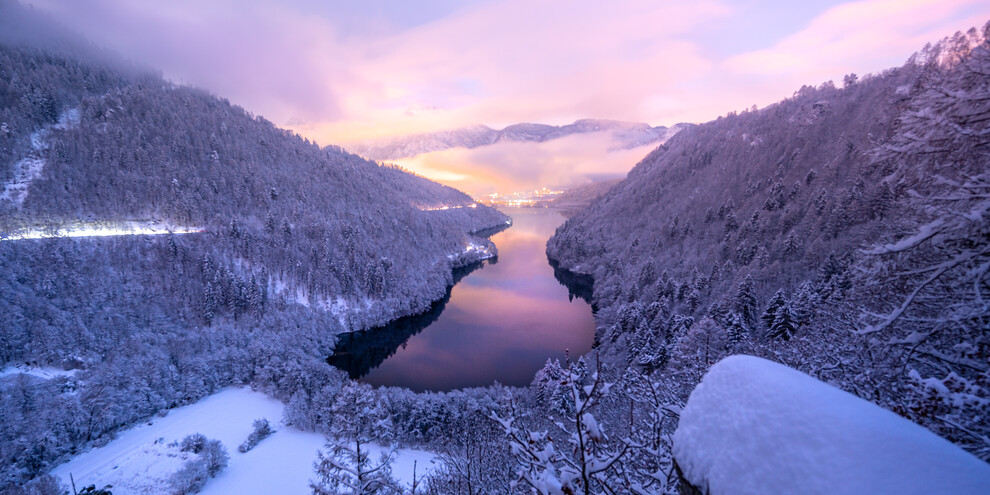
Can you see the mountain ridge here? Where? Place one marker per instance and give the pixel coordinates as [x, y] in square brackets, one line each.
[626, 135]
[842, 232]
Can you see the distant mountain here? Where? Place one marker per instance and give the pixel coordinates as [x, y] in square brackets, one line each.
[625, 135]
[844, 232]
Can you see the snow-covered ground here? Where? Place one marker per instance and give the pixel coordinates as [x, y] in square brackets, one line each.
[29, 168]
[139, 460]
[472, 251]
[43, 372]
[26, 170]
[754, 426]
[101, 229]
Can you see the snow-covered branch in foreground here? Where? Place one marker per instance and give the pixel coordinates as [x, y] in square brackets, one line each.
[592, 465]
[754, 426]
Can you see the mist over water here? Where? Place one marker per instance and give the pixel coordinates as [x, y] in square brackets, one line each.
[501, 322]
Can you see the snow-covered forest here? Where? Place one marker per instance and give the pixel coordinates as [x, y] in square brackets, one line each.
[842, 232]
[299, 244]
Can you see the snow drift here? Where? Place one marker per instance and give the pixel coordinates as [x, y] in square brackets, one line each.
[754, 426]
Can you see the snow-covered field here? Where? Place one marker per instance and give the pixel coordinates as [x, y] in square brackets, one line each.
[754, 426]
[139, 460]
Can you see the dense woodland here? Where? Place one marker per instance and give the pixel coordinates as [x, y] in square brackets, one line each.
[842, 231]
[299, 244]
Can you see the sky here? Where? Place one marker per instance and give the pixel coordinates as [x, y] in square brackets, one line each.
[338, 71]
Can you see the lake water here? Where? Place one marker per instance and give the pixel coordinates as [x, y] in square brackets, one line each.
[500, 322]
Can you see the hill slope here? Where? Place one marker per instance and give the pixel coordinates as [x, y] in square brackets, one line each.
[298, 244]
[842, 231]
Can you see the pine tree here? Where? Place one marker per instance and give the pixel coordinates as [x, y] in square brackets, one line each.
[770, 313]
[783, 324]
[349, 471]
[209, 303]
[736, 332]
[694, 300]
[358, 418]
[882, 202]
[803, 303]
[745, 300]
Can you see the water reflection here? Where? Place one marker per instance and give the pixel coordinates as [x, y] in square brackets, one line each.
[500, 324]
[357, 353]
[578, 284]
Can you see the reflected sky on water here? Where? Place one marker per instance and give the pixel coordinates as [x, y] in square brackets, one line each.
[501, 322]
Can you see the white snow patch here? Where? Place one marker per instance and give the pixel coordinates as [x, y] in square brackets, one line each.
[754, 426]
[26, 170]
[43, 372]
[29, 168]
[100, 229]
[68, 120]
[139, 460]
[472, 247]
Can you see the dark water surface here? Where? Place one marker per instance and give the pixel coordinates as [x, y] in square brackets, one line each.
[499, 323]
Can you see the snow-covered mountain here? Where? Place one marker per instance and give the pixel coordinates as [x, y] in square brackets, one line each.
[291, 239]
[624, 135]
[842, 231]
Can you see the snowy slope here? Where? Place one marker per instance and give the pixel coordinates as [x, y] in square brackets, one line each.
[754, 426]
[26, 170]
[139, 460]
[29, 168]
[43, 372]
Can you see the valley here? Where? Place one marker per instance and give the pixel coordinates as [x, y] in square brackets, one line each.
[299, 265]
[501, 322]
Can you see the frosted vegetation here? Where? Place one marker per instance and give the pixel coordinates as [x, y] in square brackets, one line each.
[842, 232]
[809, 438]
[156, 322]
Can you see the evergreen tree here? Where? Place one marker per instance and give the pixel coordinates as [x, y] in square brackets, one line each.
[348, 470]
[736, 332]
[783, 326]
[770, 313]
[358, 418]
[803, 303]
[745, 300]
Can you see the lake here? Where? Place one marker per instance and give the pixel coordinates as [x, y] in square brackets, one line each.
[500, 321]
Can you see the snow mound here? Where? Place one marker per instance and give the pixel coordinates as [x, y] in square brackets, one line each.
[754, 426]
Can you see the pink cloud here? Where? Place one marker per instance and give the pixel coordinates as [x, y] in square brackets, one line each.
[503, 62]
[861, 37]
[522, 166]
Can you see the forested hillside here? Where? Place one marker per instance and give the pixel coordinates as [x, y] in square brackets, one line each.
[843, 231]
[298, 243]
